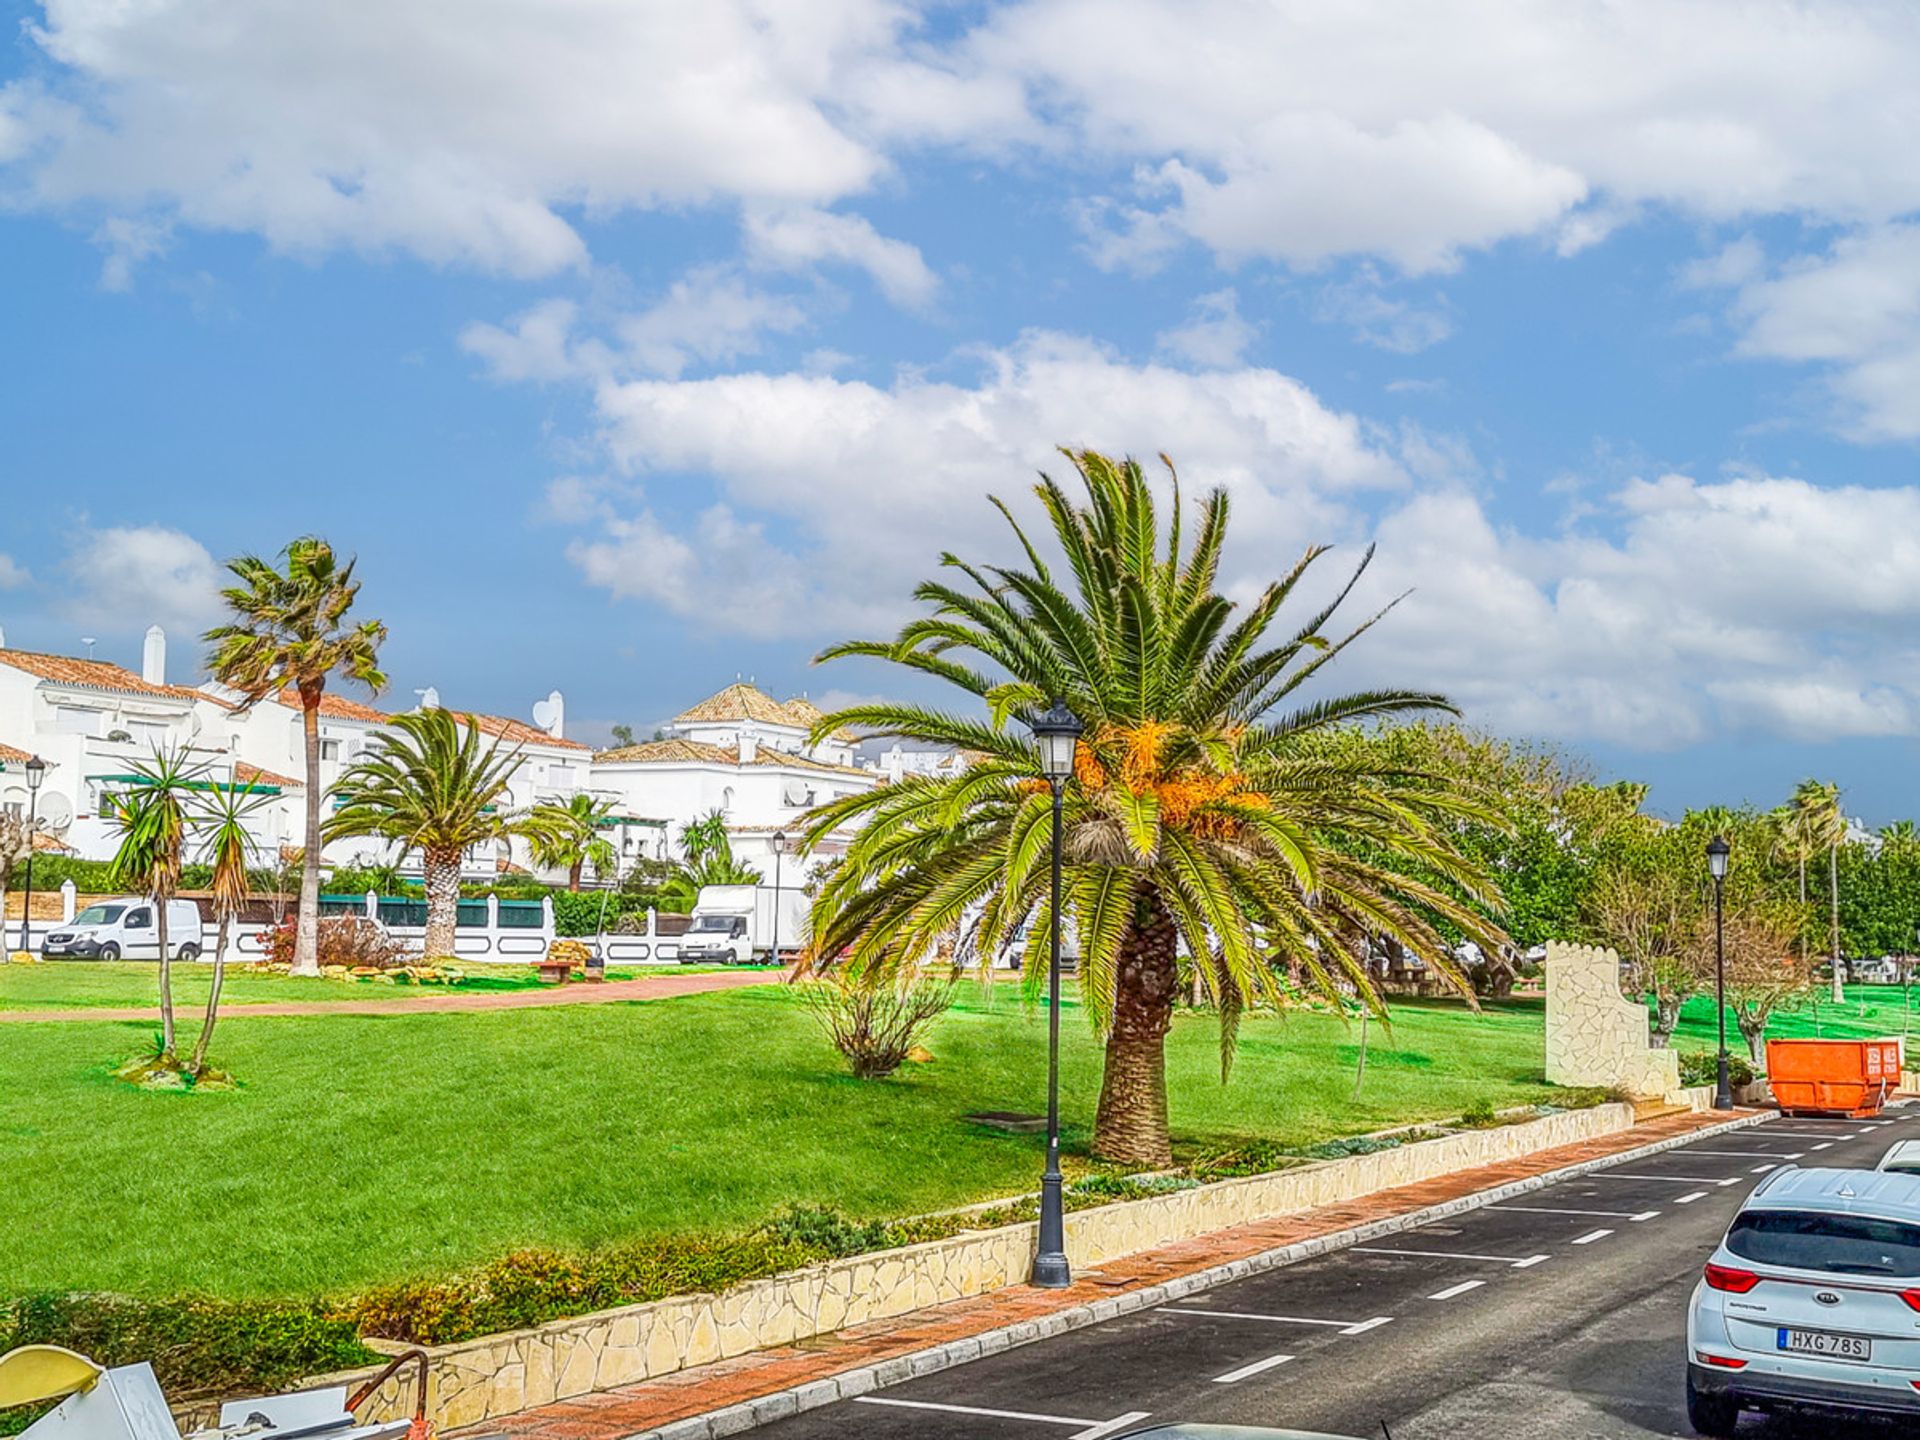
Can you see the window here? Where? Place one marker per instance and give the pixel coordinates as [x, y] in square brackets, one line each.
[1837, 1244]
[99, 914]
[139, 918]
[329, 749]
[75, 720]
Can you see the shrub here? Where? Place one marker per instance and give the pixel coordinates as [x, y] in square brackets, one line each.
[874, 1020]
[579, 912]
[1480, 1115]
[1701, 1067]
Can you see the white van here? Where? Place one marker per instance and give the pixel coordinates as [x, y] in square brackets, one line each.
[125, 930]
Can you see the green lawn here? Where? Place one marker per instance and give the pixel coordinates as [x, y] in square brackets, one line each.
[71, 984]
[367, 1148]
[1870, 1011]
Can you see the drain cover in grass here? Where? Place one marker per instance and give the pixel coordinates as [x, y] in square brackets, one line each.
[1008, 1120]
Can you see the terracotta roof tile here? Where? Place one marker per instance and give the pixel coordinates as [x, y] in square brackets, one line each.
[91, 675]
[11, 756]
[516, 732]
[739, 701]
[806, 715]
[246, 774]
[336, 707]
[698, 752]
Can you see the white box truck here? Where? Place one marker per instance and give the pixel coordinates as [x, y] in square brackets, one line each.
[734, 924]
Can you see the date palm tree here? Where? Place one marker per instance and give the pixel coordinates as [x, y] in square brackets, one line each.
[290, 629]
[427, 784]
[228, 847]
[569, 836]
[153, 819]
[1197, 821]
[1822, 825]
[709, 860]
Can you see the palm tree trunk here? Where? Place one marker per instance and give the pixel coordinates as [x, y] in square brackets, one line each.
[573, 875]
[443, 900]
[306, 941]
[1131, 1125]
[213, 999]
[1833, 899]
[166, 980]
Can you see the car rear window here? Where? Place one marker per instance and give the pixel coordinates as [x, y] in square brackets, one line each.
[1838, 1244]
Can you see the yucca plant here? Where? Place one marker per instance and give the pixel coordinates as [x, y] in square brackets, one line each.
[154, 819]
[228, 847]
[428, 784]
[1196, 820]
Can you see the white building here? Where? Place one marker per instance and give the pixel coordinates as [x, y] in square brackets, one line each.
[740, 752]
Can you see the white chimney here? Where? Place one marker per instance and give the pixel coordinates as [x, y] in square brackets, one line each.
[749, 744]
[3, 639]
[153, 657]
[429, 698]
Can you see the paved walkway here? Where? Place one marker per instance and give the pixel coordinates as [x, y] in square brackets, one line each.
[616, 1414]
[649, 987]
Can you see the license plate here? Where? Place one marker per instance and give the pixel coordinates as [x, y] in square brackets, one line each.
[1820, 1342]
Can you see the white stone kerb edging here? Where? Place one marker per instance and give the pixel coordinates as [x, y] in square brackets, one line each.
[735, 1419]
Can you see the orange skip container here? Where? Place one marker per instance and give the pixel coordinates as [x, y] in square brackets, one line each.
[1833, 1077]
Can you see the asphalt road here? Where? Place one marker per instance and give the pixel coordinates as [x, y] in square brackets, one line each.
[1561, 1314]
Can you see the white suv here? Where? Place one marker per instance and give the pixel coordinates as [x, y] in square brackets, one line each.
[1812, 1299]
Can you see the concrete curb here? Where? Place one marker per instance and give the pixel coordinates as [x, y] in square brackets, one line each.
[734, 1419]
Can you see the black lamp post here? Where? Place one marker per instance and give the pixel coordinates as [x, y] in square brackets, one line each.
[36, 769]
[1058, 732]
[1717, 852]
[779, 843]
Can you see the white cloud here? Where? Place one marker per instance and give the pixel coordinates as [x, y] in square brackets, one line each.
[537, 346]
[13, 575]
[1215, 334]
[1398, 326]
[127, 578]
[798, 239]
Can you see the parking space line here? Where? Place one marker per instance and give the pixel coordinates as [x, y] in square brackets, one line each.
[1345, 1327]
[1246, 1372]
[1689, 1199]
[1517, 1262]
[977, 1410]
[1824, 1145]
[1452, 1290]
[1670, 1179]
[1591, 1236]
[1563, 1210]
[1107, 1427]
[1752, 1154]
[1762, 1169]
[1365, 1325]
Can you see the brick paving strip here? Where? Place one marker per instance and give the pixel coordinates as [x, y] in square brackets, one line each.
[647, 987]
[729, 1396]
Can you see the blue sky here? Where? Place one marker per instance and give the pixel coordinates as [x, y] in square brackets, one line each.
[634, 346]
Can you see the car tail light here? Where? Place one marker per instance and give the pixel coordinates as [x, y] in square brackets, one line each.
[1912, 1297]
[1727, 1362]
[1725, 1277]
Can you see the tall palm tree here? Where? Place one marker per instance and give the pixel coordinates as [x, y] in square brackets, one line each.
[153, 820]
[1197, 818]
[428, 785]
[1823, 826]
[290, 629]
[569, 836]
[228, 846]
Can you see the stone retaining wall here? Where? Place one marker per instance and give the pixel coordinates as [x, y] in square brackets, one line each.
[476, 1380]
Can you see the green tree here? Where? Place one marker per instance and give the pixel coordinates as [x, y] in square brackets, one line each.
[1820, 824]
[1196, 818]
[709, 860]
[153, 819]
[571, 836]
[290, 629]
[427, 784]
[227, 846]
[623, 735]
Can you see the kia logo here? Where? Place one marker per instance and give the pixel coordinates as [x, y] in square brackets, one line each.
[1827, 1297]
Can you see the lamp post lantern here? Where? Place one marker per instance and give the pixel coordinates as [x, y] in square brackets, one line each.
[1717, 852]
[36, 769]
[1058, 731]
[779, 848]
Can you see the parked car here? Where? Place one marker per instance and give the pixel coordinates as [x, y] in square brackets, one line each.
[125, 930]
[1812, 1300]
[1901, 1159]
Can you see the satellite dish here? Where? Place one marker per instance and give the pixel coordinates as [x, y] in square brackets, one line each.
[545, 712]
[55, 811]
[798, 792]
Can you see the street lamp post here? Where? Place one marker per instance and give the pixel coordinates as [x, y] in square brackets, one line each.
[1717, 852]
[1058, 732]
[779, 848]
[36, 772]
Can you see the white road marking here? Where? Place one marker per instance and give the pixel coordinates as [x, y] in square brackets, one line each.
[1107, 1427]
[1824, 1145]
[1762, 1169]
[1460, 1289]
[1591, 1236]
[1562, 1210]
[977, 1410]
[1689, 1199]
[1516, 1263]
[1751, 1154]
[1672, 1179]
[1345, 1327]
[1248, 1371]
